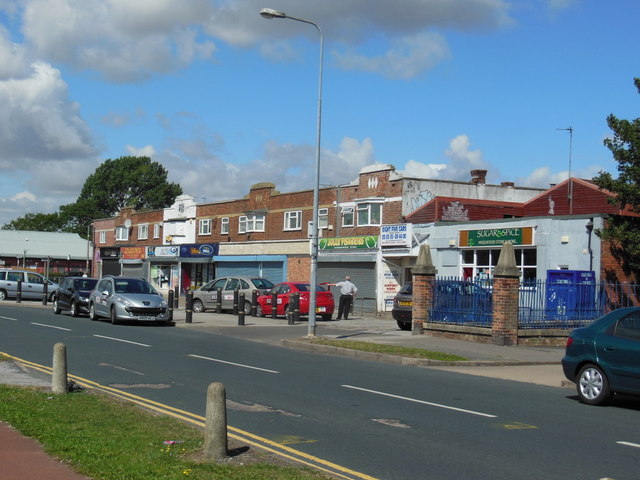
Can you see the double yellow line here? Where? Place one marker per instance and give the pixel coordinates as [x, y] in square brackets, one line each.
[262, 443]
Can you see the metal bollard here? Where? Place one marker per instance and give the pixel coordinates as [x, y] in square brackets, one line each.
[19, 292]
[236, 292]
[241, 310]
[219, 300]
[254, 303]
[170, 303]
[189, 307]
[296, 308]
[45, 293]
[274, 305]
[176, 297]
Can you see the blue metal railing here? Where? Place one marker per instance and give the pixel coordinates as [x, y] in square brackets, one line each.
[462, 302]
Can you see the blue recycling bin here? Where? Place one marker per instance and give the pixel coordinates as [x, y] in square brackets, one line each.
[570, 295]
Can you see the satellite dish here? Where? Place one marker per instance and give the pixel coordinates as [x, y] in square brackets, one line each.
[127, 223]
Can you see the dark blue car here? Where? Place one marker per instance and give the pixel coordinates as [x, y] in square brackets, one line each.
[604, 358]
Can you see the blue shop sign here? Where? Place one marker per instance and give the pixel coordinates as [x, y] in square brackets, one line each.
[199, 250]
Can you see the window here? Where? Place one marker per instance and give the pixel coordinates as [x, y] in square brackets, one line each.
[156, 230]
[143, 231]
[293, 220]
[204, 226]
[475, 263]
[347, 217]
[323, 217]
[251, 223]
[102, 237]
[224, 226]
[369, 213]
[122, 234]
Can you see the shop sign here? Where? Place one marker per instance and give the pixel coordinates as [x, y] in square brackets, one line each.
[397, 235]
[132, 253]
[496, 236]
[171, 251]
[199, 250]
[109, 252]
[368, 242]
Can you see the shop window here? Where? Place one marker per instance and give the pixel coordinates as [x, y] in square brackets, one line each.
[293, 220]
[483, 261]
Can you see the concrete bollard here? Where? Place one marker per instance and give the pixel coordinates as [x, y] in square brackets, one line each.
[215, 429]
[59, 379]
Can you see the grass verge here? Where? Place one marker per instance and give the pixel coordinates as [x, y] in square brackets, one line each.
[107, 439]
[390, 350]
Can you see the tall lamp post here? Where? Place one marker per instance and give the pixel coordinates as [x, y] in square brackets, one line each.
[270, 13]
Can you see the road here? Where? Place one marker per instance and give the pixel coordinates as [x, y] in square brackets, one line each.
[377, 420]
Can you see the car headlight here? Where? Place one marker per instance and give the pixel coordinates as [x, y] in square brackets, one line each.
[164, 304]
[123, 301]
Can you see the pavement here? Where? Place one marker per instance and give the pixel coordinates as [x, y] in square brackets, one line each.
[22, 457]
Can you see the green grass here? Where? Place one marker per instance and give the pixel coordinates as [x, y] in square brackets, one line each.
[390, 350]
[107, 439]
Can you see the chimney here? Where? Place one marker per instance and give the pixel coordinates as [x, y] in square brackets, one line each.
[507, 184]
[478, 176]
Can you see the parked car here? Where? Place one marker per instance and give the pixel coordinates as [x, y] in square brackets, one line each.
[206, 296]
[452, 299]
[32, 285]
[73, 295]
[403, 306]
[324, 300]
[604, 358]
[125, 298]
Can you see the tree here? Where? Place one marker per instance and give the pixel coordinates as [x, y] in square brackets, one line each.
[126, 181]
[624, 231]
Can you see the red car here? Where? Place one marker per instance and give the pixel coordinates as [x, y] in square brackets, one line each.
[324, 300]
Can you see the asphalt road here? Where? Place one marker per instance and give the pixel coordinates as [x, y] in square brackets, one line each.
[377, 420]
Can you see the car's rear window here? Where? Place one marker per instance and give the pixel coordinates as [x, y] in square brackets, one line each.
[262, 283]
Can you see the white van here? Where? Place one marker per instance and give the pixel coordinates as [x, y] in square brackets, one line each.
[32, 284]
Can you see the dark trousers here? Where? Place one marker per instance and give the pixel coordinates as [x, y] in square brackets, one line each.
[344, 307]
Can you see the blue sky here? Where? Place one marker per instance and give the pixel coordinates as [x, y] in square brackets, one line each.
[224, 98]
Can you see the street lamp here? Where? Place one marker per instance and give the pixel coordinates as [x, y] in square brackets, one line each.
[270, 13]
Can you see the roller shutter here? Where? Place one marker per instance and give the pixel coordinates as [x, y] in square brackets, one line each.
[363, 276]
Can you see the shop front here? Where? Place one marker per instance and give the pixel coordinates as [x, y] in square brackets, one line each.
[196, 265]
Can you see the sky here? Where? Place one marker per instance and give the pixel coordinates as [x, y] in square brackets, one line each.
[224, 98]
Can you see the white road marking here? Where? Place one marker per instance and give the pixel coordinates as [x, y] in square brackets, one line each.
[122, 340]
[629, 444]
[50, 326]
[232, 363]
[420, 401]
[9, 318]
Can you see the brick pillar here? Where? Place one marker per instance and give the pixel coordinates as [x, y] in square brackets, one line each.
[506, 290]
[424, 274]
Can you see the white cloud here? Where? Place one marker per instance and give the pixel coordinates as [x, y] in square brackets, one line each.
[146, 151]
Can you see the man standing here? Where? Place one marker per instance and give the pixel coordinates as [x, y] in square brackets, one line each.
[347, 293]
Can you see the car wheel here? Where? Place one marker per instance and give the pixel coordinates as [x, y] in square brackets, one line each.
[52, 297]
[288, 311]
[3, 295]
[56, 307]
[114, 317]
[74, 309]
[592, 385]
[403, 325]
[92, 313]
[247, 308]
[197, 306]
[259, 312]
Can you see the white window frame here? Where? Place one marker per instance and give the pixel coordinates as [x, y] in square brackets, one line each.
[122, 234]
[102, 237]
[323, 218]
[292, 220]
[251, 223]
[143, 231]
[204, 226]
[365, 210]
[156, 230]
[346, 213]
[224, 226]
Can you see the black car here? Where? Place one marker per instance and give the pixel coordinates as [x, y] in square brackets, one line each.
[73, 295]
[403, 306]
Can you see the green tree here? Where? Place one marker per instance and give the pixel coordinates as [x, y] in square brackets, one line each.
[42, 222]
[624, 231]
[126, 181]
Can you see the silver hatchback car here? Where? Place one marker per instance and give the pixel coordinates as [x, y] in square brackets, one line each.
[127, 299]
[206, 296]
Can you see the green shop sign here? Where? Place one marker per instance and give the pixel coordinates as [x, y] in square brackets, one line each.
[369, 241]
[496, 236]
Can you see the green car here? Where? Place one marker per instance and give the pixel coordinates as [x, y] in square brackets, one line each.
[604, 358]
